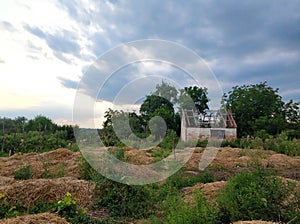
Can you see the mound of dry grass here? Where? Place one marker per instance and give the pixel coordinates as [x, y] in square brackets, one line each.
[50, 162]
[209, 190]
[28, 192]
[254, 222]
[45, 218]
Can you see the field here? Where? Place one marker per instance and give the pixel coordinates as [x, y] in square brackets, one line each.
[59, 187]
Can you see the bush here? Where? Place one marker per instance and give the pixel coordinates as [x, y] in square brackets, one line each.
[179, 181]
[24, 173]
[257, 195]
[177, 211]
[7, 210]
[124, 200]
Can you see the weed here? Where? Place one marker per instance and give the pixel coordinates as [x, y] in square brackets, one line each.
[257, 195]
[179, 180]
[177, 211]
[24, 173]
[59, 170]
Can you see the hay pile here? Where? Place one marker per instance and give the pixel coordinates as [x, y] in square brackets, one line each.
[209, 190]
[52, 161]
[139, 157]
[28, 192]
[234, 157]
[254, 222]
[283, 161]
[45, 218]
[6, 181]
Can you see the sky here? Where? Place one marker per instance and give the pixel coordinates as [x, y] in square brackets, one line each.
[49, 49]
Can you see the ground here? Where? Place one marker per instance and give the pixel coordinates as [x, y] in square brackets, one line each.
[55, 173]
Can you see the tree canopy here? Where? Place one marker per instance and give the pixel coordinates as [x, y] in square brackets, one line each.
[259, 106]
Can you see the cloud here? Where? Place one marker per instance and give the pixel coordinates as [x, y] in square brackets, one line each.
[7, 26]
[68, 83]
[63, 43]
[35, 31]
[243, 42]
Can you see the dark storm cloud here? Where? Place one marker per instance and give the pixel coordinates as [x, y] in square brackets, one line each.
[246, 41]
[60, 42]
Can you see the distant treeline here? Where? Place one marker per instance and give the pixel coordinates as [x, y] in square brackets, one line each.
[38, 134]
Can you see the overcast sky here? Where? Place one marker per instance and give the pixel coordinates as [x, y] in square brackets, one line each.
[47, 46]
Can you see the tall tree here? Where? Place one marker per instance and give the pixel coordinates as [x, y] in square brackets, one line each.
[252, 102]
[158, 106]
[193, 97]
[167, 91]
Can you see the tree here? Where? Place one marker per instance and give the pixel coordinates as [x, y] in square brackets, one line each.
[292, 111]
[167, 91]
[41, 124]
[251, 102]
[193, 97]
[20, 122]
[156, 106]
[120, 125]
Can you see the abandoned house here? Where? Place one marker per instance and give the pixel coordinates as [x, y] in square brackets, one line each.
[218, 124]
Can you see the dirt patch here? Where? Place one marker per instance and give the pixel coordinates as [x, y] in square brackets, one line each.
[28, 192]
[47, 218]
[60, 160]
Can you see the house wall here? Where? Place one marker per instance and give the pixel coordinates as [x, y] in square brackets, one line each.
[194, 133]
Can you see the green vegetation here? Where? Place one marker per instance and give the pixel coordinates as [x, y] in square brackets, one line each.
[24, 173]
[158, 118]
[37, 135]
[177, 211]
[58, 172]
[260, 107]
[258, 195]
[279, 144]
[181, 179]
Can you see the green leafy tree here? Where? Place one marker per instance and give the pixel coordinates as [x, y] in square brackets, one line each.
[193, 97]
[251, 102]
[41, 124]
[167, 91]
[156, 106]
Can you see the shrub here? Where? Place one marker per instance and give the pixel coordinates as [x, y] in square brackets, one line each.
[124, 200]
[177, 211]
[179, 181]
[24, 173]
[7, 210]
[257, 195]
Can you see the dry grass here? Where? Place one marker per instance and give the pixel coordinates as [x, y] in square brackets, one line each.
[209, 190]
[43, 218]
[54, 159]
[229, 158]
[28, 192]
[254, 222]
